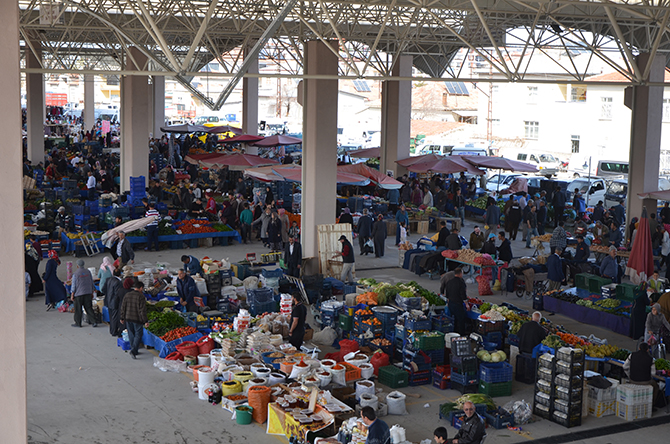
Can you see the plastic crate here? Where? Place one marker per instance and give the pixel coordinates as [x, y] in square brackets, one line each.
[602, 408]
[597, 282]
[464, 379]
[419, 378]
[375, 330]
[625, 291]
[526, 367]
[463, 389]
[582, 280]
[351, 371]
[632, 394]
[418, 324]
[630, 412]
[495, 372]
[493, 390]
[442, 379]
[193, 322]
[409, 304]
[570, 355]
[393, 377]
[484, 327]
[429, 342]
[570, 421]
[608, 394]
[499, 419]
[125, 345]
[387, 318]
[260, 295]
[461, 346]
[345, 322]
[442, 323]
[494, 336]
[264, 307]
[463, 364]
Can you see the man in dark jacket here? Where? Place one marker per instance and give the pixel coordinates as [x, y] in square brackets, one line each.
[582, 254]
[364, 229]
[378, 430]
[442, 235]
[454, 241]
[555, 269]
[82, 294]
[348, 259]
[618, 213]
[531, 333]
[473, 430]
[559, 205]
[293, 257]
[187, 290]
[379, 235]
[505, 248]
[124, 250]
[134, 316]
[114, 292]
[492, 217]
[456, 294]
[598, 211]
[192, 265]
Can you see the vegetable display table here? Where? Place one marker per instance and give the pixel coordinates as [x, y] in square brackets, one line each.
[69, 245]
[471, 264]
[586, 315]
[165, 348]
[185, 237]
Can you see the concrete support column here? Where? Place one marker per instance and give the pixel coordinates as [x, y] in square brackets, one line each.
[35, 107]
[646, 103]
[158, 104]
[396, 117]
[250, 104]
[13, 416]
[319, 160]
[134, 121]
[89, 101]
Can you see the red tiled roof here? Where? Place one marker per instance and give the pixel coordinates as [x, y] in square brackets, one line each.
[618, 77]
[432, 128]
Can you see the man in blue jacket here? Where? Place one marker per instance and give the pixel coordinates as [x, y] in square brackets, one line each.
[192, 265]
[400, 216]
[555, 273]
[492, 217]
[187, 291]
[616, 237]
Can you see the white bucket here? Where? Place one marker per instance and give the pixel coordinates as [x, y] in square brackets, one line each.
[201, 390]
[204, 360]
[364, 388]
[447, 338]
[206, 375]
[369, 400]
[367, 370]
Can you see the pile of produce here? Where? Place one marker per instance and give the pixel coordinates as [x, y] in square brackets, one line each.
[620, 354]
[405, 246]
[492, 315]
[364, 312]
[178, 333]
[368, 298]
[194, 226]
[543, 238]
[407, 294]
[480, 203]
[159, 306]
[600, 351]
[553, 341]
[162, 322]
[387, 292]
[165, 228]
[368, 282]
[495, 356]
[372, 322]
[662, 367]
[221, 228]
[381, 342]
[570, 339]
[600, 249]
[475, 398]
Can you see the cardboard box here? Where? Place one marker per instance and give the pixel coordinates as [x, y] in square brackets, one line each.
[309, 334]
[210, 267]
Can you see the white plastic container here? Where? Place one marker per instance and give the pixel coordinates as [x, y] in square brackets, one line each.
[204, 360]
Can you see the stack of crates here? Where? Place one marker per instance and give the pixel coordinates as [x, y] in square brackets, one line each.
[419, 364]
[393, 377]
[442, 377]
[495, 379]
[213, 282]
[330, 312]
[138, 190]
[261, 301]
[464, 375]
[602, 401]
[634, 401]
[93, 207]
[442, 323]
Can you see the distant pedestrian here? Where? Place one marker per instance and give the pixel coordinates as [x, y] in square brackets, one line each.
[82, 294]
[134, 316]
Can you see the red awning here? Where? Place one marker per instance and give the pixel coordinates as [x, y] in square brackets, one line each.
[419, 159]
[368, 153]
[278, 140]
[445, 165]
[500, 163]
[236, 161]
[379, 178]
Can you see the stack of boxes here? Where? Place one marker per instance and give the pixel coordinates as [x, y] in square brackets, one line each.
[286, 305]
[602, 402]
[634, 401]
[495, 379]
[138, 190]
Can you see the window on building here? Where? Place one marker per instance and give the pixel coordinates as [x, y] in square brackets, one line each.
[574, 142]
[606, 108]
[532, 94]
[666, 110]
[532, 129]
[578, 93]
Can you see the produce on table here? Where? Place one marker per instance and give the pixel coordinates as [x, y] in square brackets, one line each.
[194, 226]
[620, 354]
[369, 298]
[407, 294]
[492, 315]
[178, 333]
[161, 323]
[553, 341]
[364, 312]
[159, 306]
[475, 398]
[571, 339]
[372, 321]
[600, 351]
[663, 365]
[381, 342]
[368, 282]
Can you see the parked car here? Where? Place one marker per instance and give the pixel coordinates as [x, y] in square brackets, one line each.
[547, 164]
[618, 190]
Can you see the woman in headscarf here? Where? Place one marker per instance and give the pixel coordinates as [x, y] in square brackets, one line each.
[211, 203]
[285, 225]
[269, 196]
[274, 232]
[54, 290]
[655, 320]
[105, 272]
[32, 261]
[379, 235]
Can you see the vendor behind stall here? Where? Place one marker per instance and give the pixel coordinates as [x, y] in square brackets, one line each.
[187, 290]
[378, 430]
[641, 369]
[192, 265]
[298, 315]
[456, 293]
[531, 334]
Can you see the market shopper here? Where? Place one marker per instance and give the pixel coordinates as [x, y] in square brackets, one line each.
[615, 235]
[124, 250]
[555, 274]
[187, 291]
[32, 262]
[531, 334]
[473, 430]
[378, 430]
[513, 218]
[365, 223]
[192, 265]
[505, 248]
[114, 292]
[246, 218]
[609, 268]
[264, 221]
[638, 313]
[293, 257]
[456, 294]
[105, 272]
[459, 206]
[559, 238]
[82, 294]
[285, 225]
[477, 239]
[442, 235]
[453, 241]
[134, 316]
[298, 316]
[400, 216]
[274, 233]
[440, 436]
[90, 186]
[531, 223]
[152, 227]
[489, 247]
[655, 320]
[559, 205]
[348, 259]
[379, 235]
[54, 290]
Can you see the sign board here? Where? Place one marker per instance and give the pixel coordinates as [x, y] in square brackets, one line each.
[51, 14]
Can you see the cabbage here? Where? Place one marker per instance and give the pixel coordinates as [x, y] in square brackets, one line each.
[503, 356]
[495, 357]
[486, 356]
[481, 353]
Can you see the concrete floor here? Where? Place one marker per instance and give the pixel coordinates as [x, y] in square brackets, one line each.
[82, 388]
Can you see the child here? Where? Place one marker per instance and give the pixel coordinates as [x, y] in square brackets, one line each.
[294, 231]
[28, 282]
[403, 233]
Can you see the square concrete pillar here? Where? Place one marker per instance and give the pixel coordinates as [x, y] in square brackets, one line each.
[158, 105]
[89, 101]
[13, 419]
[250, 104]
[319, 145]
[35, 107]
[646, 103]
[134, 122]
[396, 117]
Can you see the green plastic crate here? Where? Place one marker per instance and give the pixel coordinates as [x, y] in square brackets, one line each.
[393, 377]
[582, 280]
[429, 343]
[495, 389]
[345, 322]
[596, 283]
[625, 291]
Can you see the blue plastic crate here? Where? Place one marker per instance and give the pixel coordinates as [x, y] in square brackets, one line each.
[277, 273]
[463, 378]
[499, 419]
[260, 295]
[442, 323]
[493, 372]
[348, 289]
[416, 324]
[265, 307]
[125, 345]
[494, 336]
[388, 320]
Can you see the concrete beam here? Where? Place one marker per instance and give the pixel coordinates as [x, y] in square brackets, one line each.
[35, 107]
[13, 416]
[250, 103]
[396, 117]
[89, 101]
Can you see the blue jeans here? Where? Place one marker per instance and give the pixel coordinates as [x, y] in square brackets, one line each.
[531, 232]
[135, 332]
[152, 236]
[461, 213]
[397, 234]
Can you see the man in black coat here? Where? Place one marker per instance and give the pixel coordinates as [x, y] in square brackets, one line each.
[454, 241]
[379, 235]
[364, 230]
[293, 257]
[456, 293]
[531, 333]
[124, 250]
[442, 235]
[114, 292]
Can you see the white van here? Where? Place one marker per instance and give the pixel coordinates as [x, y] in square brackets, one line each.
[601, 168]
[468, 151]
[438, 148]
[546, 163]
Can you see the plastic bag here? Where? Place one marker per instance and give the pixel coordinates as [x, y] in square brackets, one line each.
[225, 264]
[325, 337]
[396, 403]
[169, 366]
[521, 411]
[497, 286]
[250, 283]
